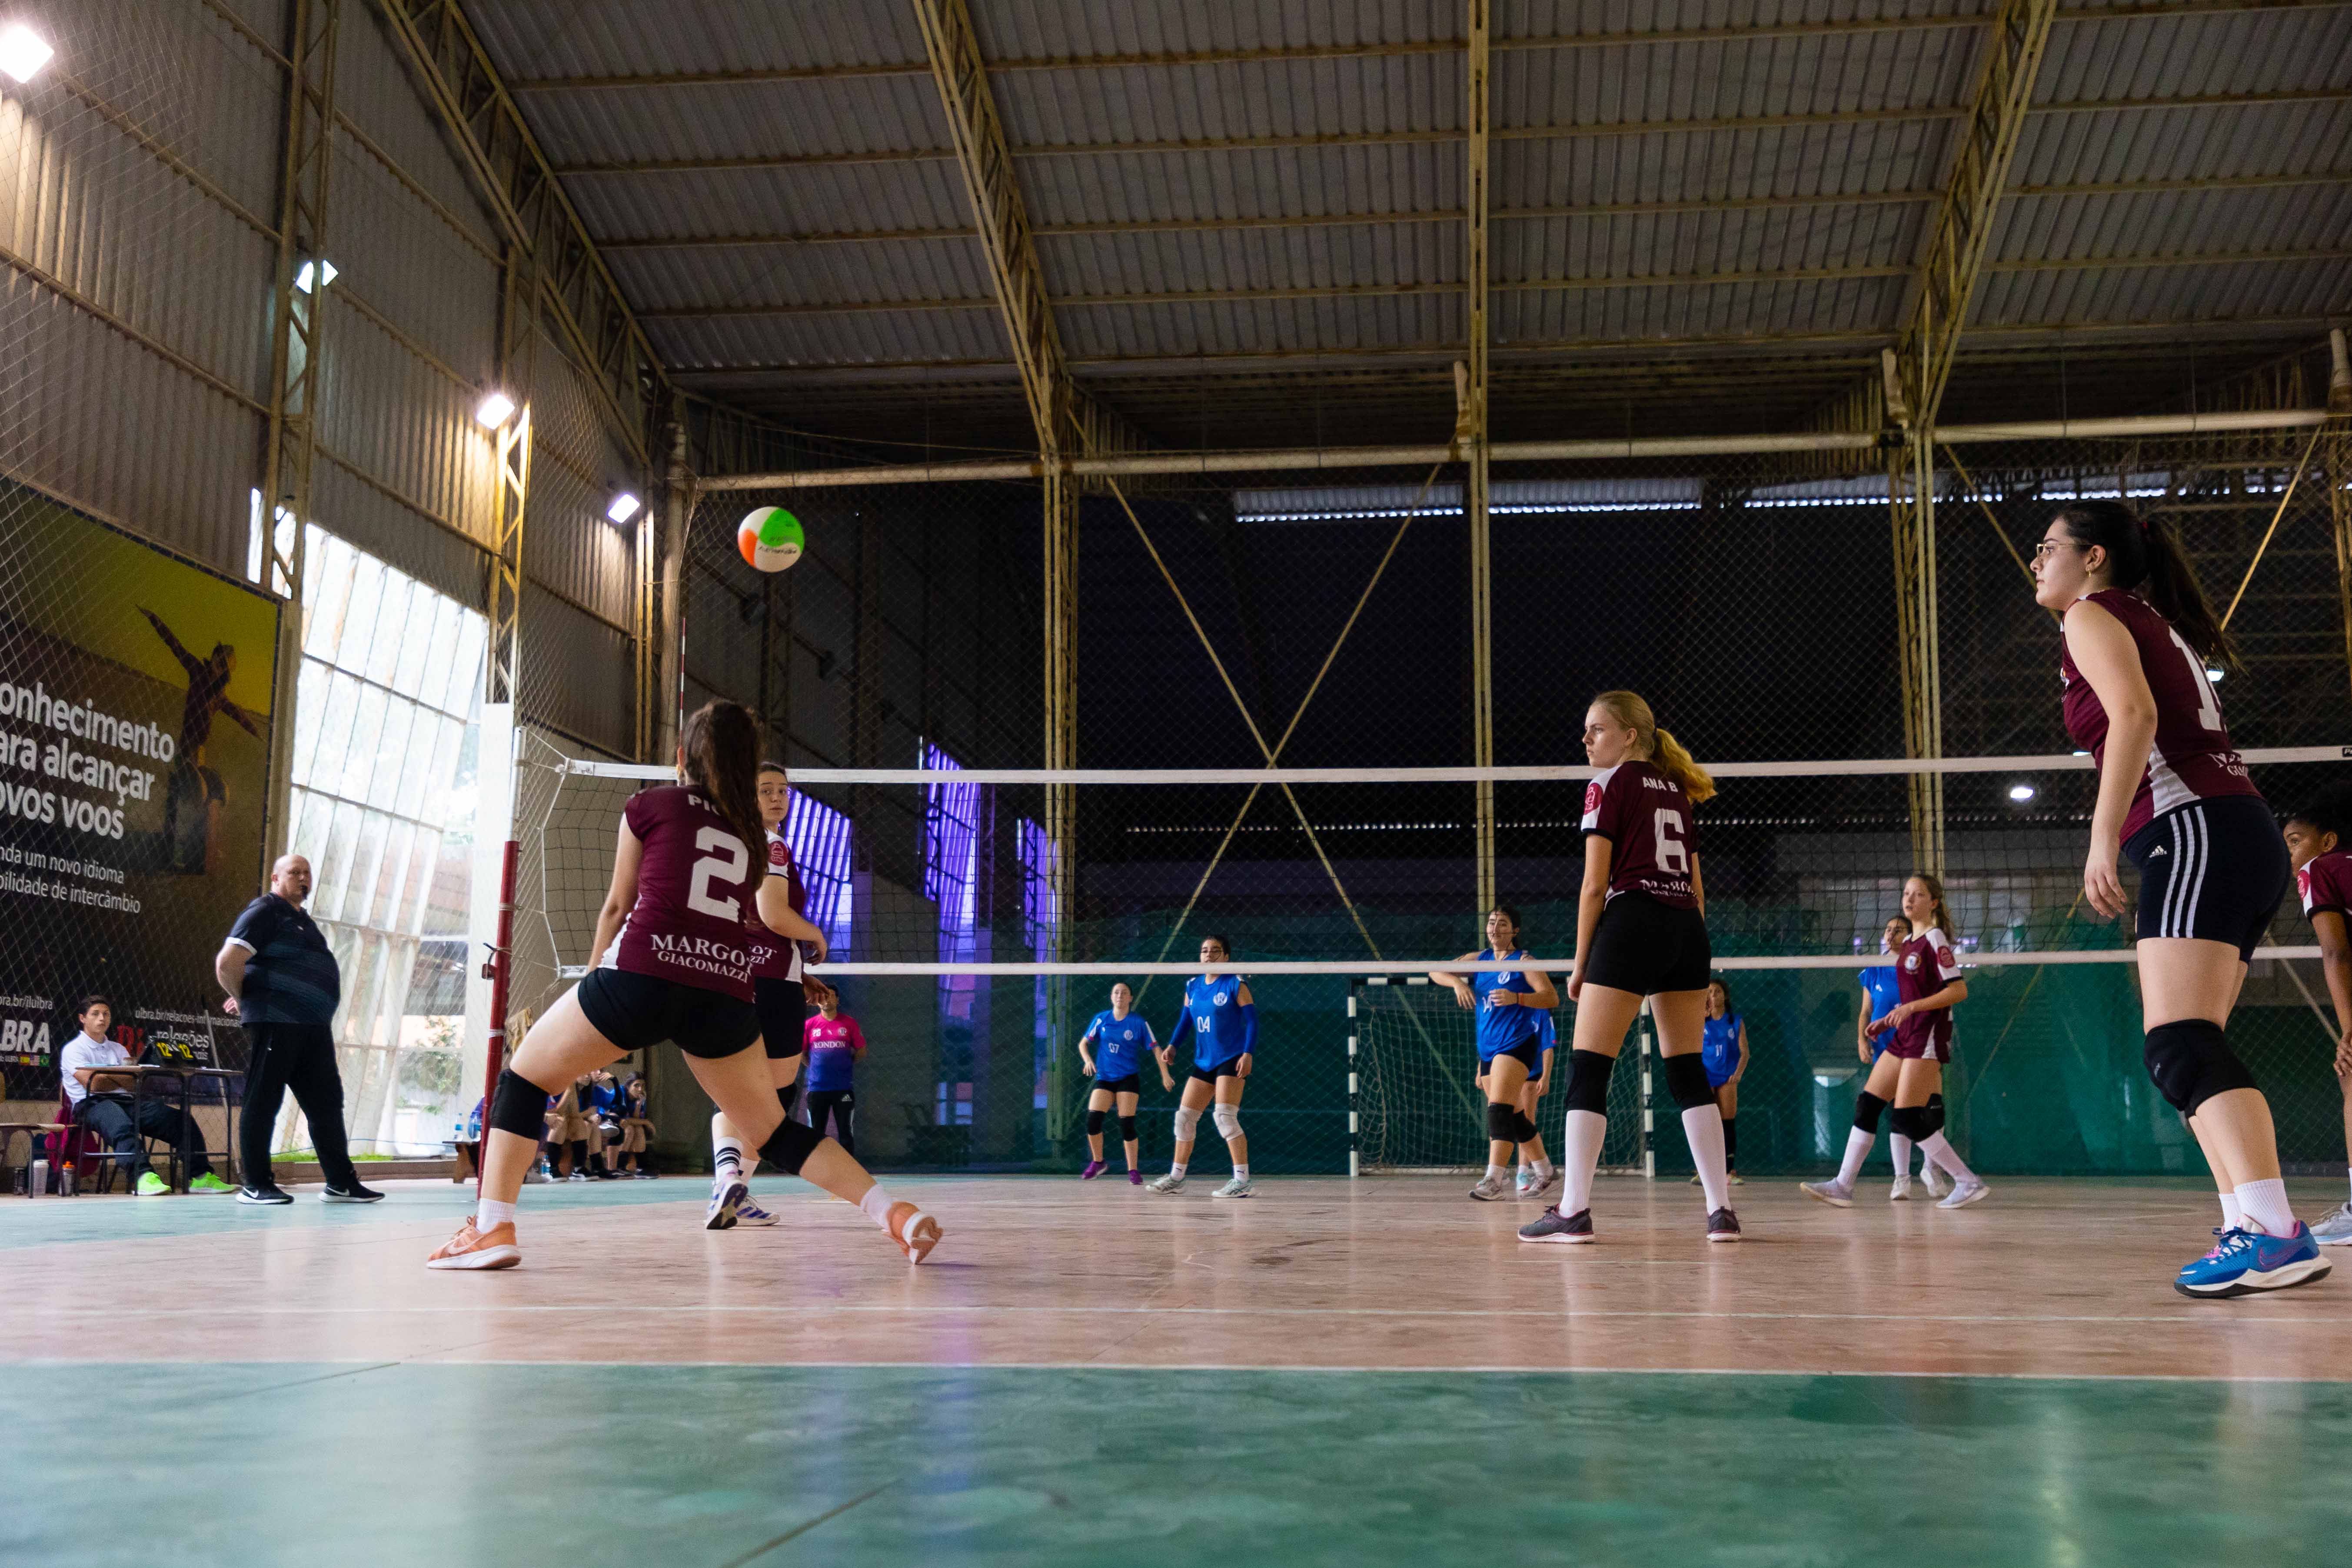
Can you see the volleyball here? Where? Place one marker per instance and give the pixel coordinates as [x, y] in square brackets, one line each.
[770, 538]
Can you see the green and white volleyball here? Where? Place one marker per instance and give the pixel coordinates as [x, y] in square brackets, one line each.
[770, 538]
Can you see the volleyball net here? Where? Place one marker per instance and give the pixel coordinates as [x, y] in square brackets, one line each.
[974, 954]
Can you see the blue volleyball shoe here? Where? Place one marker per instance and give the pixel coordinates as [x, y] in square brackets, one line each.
[2246, 1261]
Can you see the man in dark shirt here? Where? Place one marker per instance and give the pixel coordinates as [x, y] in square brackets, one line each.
[283, 984]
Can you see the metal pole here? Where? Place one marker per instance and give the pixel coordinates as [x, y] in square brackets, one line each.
[499, 971]
[1481, 539]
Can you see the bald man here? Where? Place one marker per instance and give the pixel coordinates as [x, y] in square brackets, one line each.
[283, 984]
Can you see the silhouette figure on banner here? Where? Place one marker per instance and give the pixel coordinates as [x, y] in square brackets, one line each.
[196, 795]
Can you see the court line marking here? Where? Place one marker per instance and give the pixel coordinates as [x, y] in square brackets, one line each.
[800, 1530]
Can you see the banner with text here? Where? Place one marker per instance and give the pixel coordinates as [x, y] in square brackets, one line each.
[135, 759]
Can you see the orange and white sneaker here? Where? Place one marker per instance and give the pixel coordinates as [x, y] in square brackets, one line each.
[472, 1248]
[915, 1232]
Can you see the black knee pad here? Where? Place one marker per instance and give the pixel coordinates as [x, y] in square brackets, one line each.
[1523, 1127]
[1911, 1121]
[788, 1097]
[1502, 1122]
[2191, 1062]
[519, 1106]
[1867, 1109]
[1935, 1109]
[1687, 1081]
[1127, 1128]
[790, 1147]
[1588, 1081]
[1094, 1120]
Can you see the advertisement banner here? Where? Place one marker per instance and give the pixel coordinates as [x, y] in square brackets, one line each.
[134, 757]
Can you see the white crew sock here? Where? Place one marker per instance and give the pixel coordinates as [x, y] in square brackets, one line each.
[1580, 1144]
[1497, 1173]
[726, 1157]
[490, 1212]
[1940, 1150]
[2232, 1216]
[1176, 1168]
[1543, 1169]
[1703, 1125]
[2265, 1204]
[1857, 1147]
[877, 1205]
[1240, 1171]
[1899, 1146]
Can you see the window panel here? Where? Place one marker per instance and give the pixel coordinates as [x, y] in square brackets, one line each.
[329, 567]
[391, 627]
[311, 680]
[367, 729]
[425, 775]
[446, 911]
[440, 653]
[330, 864]
[334, 740]
[465, 669]
[416, 901]
[360, 617]
[393, 761]
[392, 879]
[417, 640]
[367, 856]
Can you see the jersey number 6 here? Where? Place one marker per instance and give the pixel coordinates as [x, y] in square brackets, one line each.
[728, 862]
[1666, 828]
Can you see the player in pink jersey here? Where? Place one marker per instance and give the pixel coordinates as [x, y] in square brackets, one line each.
[2320, 843]
[2175, 796]
[1641, 932]
[673, 965]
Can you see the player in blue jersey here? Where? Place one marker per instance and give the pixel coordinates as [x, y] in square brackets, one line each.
[1120, 1039]
[1723, 1052]
[1508, 999]
[1880, 990]
[1220, 1021]
[1537, 1176]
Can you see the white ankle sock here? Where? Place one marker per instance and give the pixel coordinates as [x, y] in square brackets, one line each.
[1899, 1146]
[1497, 1173]
[1944, 1154]
[1177, 1167]
[726, 1152]
[877, 1205]
[1703, 1125]
[1857, 1148]
[1543, 1169]
[1240, 1171]
[2232, 1216]
[2265, 1204]
[490, 1212]
[1579, 1146]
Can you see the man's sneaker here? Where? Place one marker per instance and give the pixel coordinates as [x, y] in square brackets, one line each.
[1490, 1188]
[208, 1182]
[1722, 1224]
[151, 1186]
[1134, 1177]
[1573, 1230]
[1829, 1193]
[577, 1177]
[1094, 1168]
[1965, 1194]
[641, 1176]
[1235, 1187]
[471, 1248]
[1932, 1176]
[2247, 1261]
[1171, 1182]
[2335, 1229]
[266, 1194]
[355, 1193]
[1901, 1192]
[726, 1202]
[915, 1232]
[749, 1213]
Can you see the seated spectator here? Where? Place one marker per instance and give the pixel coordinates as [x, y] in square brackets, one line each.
[572, 1129]
[104, 1102]
[636, 1128]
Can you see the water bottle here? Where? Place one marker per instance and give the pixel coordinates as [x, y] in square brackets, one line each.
[66, 1188]
[37, 1183]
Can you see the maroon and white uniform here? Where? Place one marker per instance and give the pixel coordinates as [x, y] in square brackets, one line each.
[1923, 967]
[774, 957]
[2327, 884]
[694, 887]
[1647, 818]
[2192, 758]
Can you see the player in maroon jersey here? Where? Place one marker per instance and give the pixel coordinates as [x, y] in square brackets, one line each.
[1641, 930]
[781, 991]
[2176, 798]
[673, 964]
[2320, 843]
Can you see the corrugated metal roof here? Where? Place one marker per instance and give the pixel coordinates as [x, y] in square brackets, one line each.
[529, 39]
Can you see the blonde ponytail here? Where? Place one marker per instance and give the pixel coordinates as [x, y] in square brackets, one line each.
[1658, 746]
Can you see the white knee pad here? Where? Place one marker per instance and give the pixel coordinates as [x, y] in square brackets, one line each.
[1229, 1119]
[1187, 1119]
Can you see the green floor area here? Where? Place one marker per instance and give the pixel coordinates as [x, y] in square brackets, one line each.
[264, 1464]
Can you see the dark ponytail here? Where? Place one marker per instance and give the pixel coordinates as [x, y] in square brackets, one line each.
[2146, 554]
[721, 743]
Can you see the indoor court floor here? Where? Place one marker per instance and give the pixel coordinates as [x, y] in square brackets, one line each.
[1330, 1372]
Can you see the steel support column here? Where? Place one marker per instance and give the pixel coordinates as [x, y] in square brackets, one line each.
[1920, 365]
[2336, 464]
[517, 334]
[1474, 435]
[295, 325]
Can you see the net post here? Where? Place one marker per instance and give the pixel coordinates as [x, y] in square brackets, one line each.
[1642, 1029]
[1355, 988]
[499, 971]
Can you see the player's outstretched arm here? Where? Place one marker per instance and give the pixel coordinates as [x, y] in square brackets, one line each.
[1458, 984]
[622, 896]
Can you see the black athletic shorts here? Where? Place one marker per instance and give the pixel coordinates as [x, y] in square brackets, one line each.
[1528, 1054]
[784, 1008]
[1131, 1084]
[634, 1011]
[2213, 868]
[1222, 1069]
[1647, 947]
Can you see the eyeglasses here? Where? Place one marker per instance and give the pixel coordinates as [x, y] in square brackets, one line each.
[2047, 548]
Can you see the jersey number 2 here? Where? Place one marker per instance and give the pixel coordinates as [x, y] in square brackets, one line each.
[728, 862]
[1666, 828]
[2209, 707]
